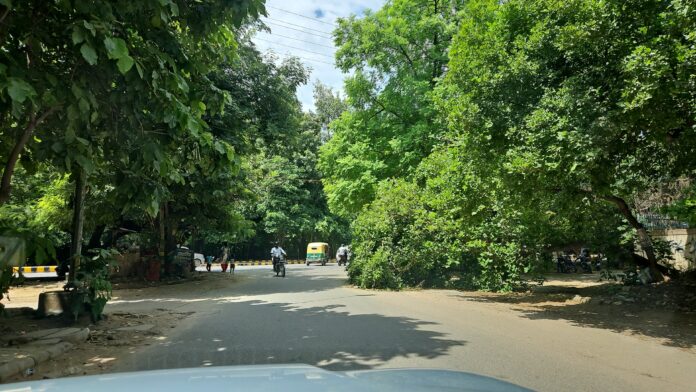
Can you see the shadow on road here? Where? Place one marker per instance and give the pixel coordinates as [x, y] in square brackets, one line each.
[259, 332]
[218, 286]
[672, 328]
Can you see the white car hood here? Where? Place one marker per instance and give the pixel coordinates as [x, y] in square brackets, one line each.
[270, 378]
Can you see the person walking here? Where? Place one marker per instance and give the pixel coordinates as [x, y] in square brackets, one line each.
[224, 255]
[208, 262]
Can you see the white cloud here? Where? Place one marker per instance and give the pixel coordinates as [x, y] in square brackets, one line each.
[297, 30]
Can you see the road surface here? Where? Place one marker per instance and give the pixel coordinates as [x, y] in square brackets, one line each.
[312, 317]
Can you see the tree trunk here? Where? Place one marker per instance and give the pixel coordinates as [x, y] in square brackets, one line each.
[170, 227]
[95, 238]
[644, 238]
[78, 221]
[161, 248]
[6, 182]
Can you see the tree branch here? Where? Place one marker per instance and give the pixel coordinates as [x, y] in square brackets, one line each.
[6, 183]
[408, 58]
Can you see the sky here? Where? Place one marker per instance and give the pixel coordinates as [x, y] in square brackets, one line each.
[302, 28]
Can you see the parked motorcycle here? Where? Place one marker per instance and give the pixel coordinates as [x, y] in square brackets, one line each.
[584, 260]
[585, 263]
[565, 265]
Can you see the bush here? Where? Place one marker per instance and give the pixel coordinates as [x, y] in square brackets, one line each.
[400, 241]
[92, 288]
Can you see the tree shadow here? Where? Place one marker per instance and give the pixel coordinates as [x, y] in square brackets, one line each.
[215, 286]
[259, 332]
[672, 328]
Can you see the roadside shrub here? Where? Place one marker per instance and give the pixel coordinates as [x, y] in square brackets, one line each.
[402, 240]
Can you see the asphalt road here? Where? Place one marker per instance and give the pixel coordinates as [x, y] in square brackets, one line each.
[312, 317]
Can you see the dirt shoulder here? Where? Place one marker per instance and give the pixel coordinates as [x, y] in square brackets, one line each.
[665, 313]
[118, 335]
[110, 340]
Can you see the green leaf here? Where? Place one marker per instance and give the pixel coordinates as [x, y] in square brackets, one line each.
[90, 27]
[69, 136]
[84, 106]
[155, 21]
[139, 68]
[193, 126]
[77, 35]
[84, 162]
[125, 64]
[116, 48]
[89, 54]
[19, 90]
[153, 209]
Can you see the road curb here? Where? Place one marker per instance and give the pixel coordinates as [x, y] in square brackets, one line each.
[32, 358]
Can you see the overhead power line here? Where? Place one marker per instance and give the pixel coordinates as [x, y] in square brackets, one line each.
[294, 47]
[301, 31]
[318, 61]
[301, 40]
[327, 33]
[310, 59]
[303, 16]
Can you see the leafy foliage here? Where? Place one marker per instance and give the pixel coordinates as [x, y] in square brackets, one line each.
[91, 287]
[547, 111]
[397, 55]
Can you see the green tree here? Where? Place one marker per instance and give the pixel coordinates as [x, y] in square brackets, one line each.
[329, 106]
[109, 81]
[397, 55]
[582, 100]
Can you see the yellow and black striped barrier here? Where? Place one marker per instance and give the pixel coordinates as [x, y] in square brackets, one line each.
[245, 263]
[40, 268]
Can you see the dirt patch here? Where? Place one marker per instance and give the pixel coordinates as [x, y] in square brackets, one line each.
[110, 341]
[113, 339]
[664, 312]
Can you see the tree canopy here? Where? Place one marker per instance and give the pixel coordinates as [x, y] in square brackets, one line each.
[542, 126]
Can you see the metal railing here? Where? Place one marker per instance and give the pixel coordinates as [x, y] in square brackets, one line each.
[653, 221]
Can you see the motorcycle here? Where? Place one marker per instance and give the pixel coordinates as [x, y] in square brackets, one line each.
[598, 261]
[279, 266]
[585, 263]
[343, 260]
[584, 260]
[565, 265]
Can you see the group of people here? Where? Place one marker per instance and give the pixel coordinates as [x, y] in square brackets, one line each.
[224, 258]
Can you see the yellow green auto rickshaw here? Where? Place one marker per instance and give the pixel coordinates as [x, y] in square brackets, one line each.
[317, 252]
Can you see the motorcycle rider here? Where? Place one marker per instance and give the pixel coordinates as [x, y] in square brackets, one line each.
[276, 254]
[342, 255]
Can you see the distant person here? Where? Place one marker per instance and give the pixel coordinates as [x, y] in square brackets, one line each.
[342, 255]
[276, 254]
[224, 256]
[209, 262]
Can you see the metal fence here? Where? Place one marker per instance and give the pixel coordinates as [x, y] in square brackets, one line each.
[660, 222]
